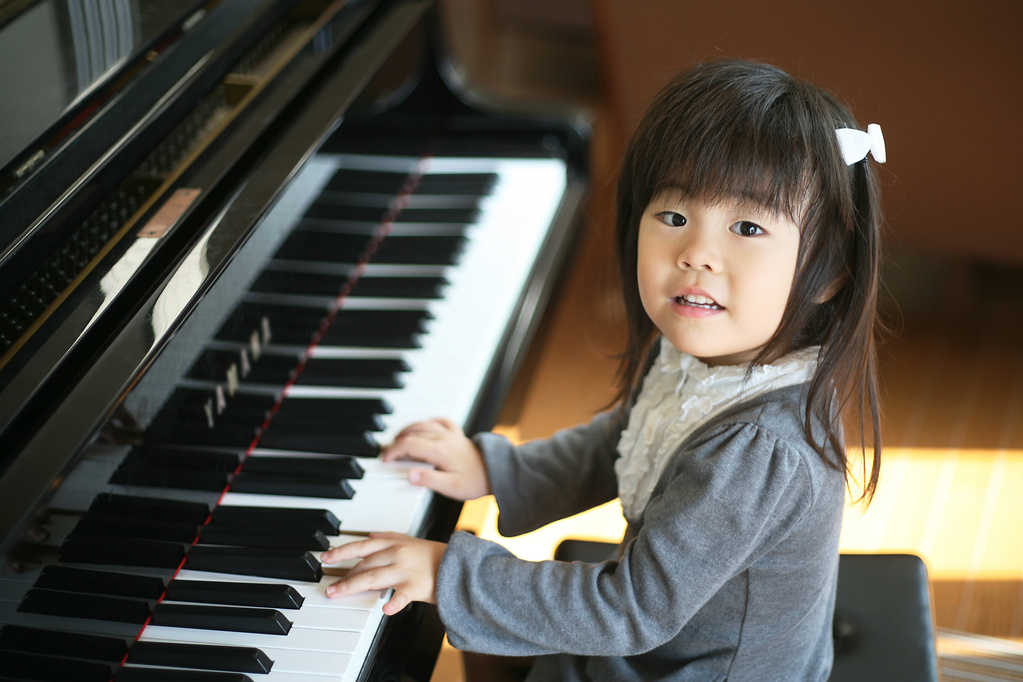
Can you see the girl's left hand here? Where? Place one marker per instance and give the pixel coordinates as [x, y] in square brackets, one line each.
[407, 564]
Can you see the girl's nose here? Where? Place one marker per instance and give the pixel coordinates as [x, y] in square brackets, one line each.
[698, 252]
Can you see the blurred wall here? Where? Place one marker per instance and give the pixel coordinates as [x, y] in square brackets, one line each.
[943, 78]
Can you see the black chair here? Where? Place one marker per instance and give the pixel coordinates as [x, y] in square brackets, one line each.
[883, 627]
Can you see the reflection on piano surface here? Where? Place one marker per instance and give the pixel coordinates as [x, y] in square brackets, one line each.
[266, 269]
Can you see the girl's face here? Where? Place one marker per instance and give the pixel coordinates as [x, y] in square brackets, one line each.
[715, 278]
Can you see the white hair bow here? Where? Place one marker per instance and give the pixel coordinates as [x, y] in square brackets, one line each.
[855, 144]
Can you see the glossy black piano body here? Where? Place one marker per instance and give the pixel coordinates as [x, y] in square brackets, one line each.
[135, 217]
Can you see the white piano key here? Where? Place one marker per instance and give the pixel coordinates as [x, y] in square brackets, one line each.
[382, 200]
[307, 662]
[368, 269]
[13, 591]
[298, 638]
[351, 620]
[372, 494]
[348, 302]
[315, 594]
[280, 675]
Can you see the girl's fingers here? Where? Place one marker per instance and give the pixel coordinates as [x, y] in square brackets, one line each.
[447, 424]
[442, 482]
[434, 426]
[422, 441]
[378, 578]
[359, 549]
[409, 565]
[415, 447]
[396, 603]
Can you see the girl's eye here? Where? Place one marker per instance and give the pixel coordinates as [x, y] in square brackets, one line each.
[745, 228]
[671, 218]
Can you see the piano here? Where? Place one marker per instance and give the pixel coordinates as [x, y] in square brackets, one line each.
[242, 243]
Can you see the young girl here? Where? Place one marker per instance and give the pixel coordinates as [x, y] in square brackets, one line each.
[748, 231]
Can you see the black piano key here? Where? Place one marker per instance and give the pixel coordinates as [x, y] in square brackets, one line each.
[232, 618]
[353, 412]
[340, 212]
[266, 563]
[94, 549]
[298, 486]
[303, 283]
[377, 214]
[133, 674]
[265, 595]
[272, 370]
[289, 324]
[321, 520]
[56, 643]
[241, 406]
[151, 508]
[188, 405]
[277, 370]
[88, 606]
[400, 287]
[416, 250]
[377, 328]
[338, 420]
[332, 467]
[247, 536]
[340, 247]
[292, 325]
[45, 668]
[70, 579]
[109, 525]
[219, 435]
[164, 477]
[321, 284]
[234, 427]
[473, 184]
[352, 373]
[330, 247]
[196, 458]
[213, 364]
[373, 182]
[202, 656]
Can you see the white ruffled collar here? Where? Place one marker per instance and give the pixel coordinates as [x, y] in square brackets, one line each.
[679, 393]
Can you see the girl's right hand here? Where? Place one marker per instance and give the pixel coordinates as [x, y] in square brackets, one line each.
[459, 470]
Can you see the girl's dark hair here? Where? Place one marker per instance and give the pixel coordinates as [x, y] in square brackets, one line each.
[750, 132]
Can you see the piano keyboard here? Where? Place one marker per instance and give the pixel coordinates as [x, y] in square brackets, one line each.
[274, 405]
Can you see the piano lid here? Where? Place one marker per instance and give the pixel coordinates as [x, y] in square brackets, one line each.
[230, 112]
[67, 50]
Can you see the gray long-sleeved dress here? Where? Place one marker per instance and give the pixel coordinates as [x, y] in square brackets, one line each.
[730, 574]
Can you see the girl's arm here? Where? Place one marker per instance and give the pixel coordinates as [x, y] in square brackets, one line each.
[549, 479]
[535, 483]
[545, 479]
[726, 505]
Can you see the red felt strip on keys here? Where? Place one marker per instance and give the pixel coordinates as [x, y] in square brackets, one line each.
[397, 205]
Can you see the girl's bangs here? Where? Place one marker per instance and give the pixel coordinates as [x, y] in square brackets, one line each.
[736, 165]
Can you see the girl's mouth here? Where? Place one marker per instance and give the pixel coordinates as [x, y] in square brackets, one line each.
[697, 301]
